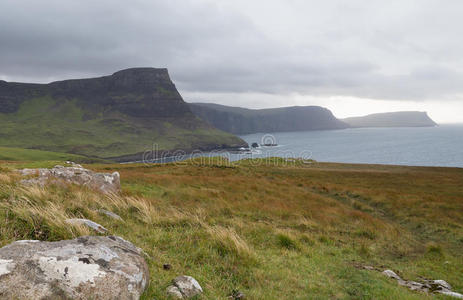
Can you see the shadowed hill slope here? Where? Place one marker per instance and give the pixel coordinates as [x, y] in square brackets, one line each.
[243, 121]
[111, 116]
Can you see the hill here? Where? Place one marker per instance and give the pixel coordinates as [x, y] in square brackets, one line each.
[271, 229]
[239, 120]
[392, 119]
[112, 116]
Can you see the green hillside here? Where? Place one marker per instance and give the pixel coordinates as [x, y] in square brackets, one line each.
[37, 157]
[113, 116]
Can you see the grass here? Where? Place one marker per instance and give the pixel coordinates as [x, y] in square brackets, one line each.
[19, 154]
[272, 231]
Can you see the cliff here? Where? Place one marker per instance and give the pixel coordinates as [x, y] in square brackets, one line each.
[111, 116]
[392, 119]
[244, 121]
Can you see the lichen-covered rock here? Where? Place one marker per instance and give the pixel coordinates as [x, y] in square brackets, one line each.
[91, 267]
[75, 174]
[184, 287]
[174, 291]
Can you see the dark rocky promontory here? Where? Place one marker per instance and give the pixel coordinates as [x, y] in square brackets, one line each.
[239, 120]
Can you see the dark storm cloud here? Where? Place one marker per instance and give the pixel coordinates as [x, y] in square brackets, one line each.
[218, 46]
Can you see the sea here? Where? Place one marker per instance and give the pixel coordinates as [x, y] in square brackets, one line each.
[413, 146]
[440, 146]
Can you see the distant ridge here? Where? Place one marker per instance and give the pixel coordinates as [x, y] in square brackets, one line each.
[118, 115]
[392, 119]
[239, 120]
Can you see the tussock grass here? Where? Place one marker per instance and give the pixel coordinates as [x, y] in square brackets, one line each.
[271, 231]
[229, 241]
[5, 178]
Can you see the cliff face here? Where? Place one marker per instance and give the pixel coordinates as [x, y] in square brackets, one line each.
[139, 92]
[244, 121]
[393, 119]
[110, 116]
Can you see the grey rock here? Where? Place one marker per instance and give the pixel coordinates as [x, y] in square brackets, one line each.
[439, 284]
[391, 274]
[428, 286]
[174, 291]
[110, 214]
[451, 294]
[95, 226]
[413, 285]
[75, 174]
[184, 287]
[91, 267]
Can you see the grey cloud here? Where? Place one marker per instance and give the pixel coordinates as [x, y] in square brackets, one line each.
[357, 49]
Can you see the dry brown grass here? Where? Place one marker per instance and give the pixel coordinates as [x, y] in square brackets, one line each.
[272, 231]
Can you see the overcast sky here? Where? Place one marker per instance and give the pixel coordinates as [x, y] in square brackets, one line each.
[354, 57]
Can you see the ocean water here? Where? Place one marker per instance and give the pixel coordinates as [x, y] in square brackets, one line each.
[423, 146]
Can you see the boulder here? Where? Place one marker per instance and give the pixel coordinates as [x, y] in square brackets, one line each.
[90, 267]
[184, 287]
[76, 174]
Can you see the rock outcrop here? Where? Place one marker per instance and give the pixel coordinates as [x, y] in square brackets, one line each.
[427, 286]
[184, 287]
[88, 267]
[75, 174]
[239, 120]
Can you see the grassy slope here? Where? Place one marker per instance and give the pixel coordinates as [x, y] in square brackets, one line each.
[38, 156]
[46, 124]
[271, 231]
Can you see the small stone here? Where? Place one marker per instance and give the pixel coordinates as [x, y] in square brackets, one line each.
[391, 274]
[187, 285]
[110, 214]
[414, 286]
[95, 226]
[442, 283]
[174, 292]
[237, 295]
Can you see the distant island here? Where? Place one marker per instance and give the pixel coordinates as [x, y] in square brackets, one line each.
[392, 119]
[118, 116]
[239, 120]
